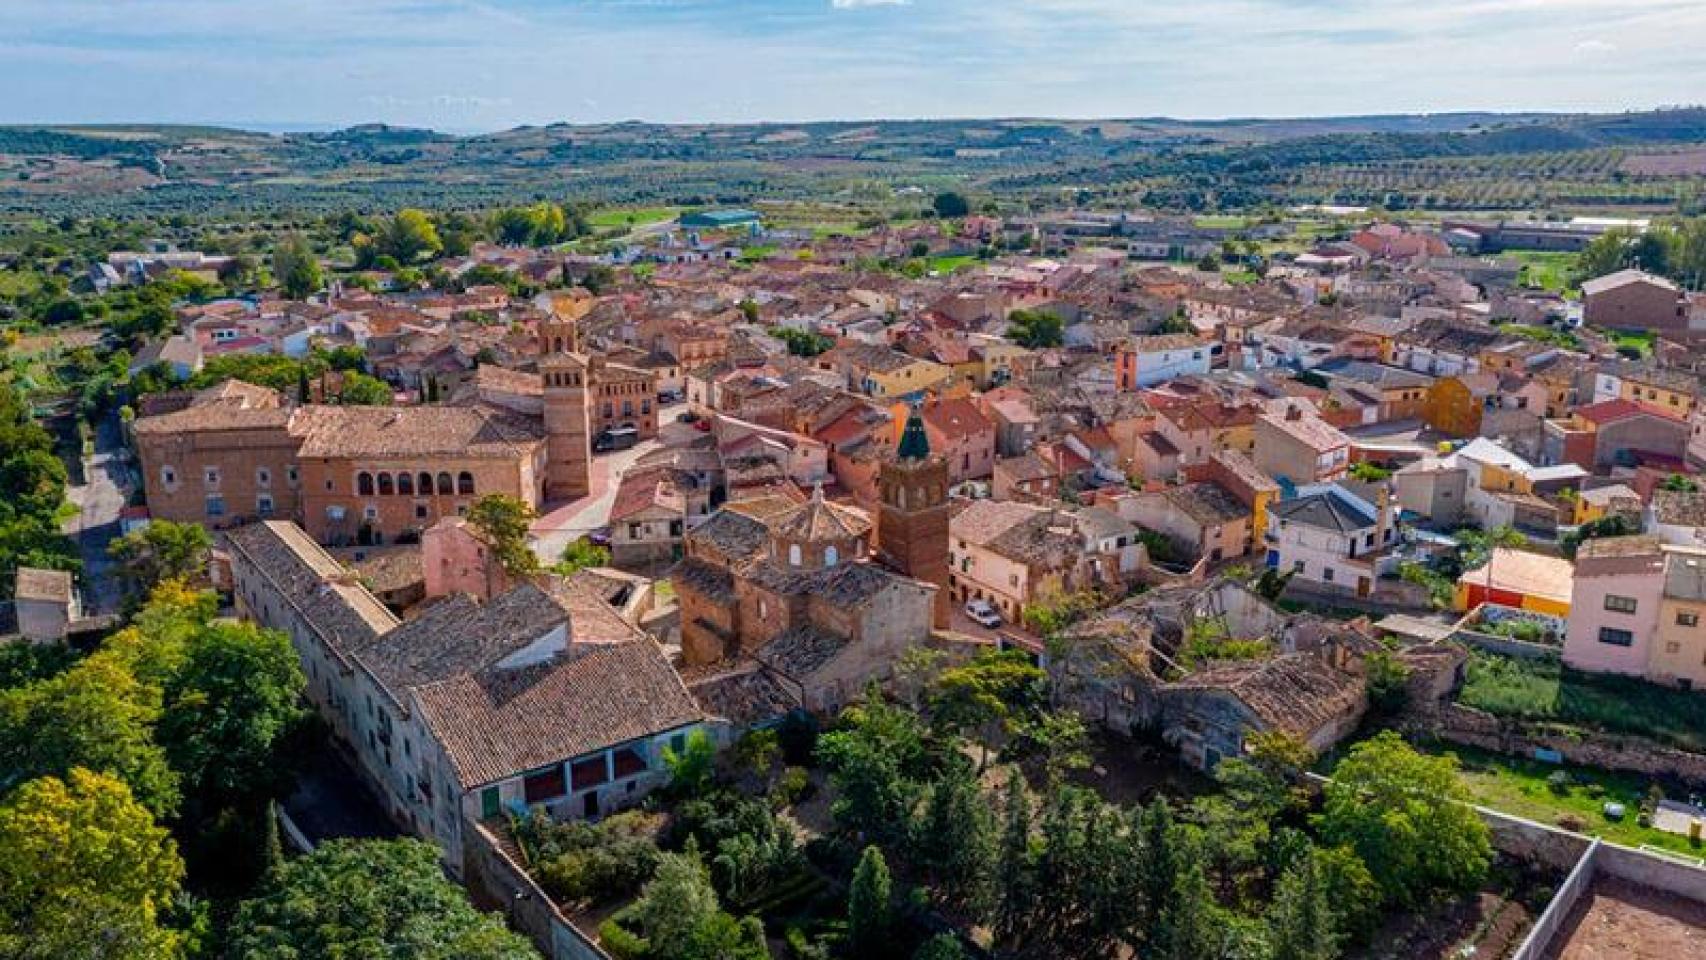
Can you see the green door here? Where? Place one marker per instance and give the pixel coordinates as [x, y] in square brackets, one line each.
[488, 803]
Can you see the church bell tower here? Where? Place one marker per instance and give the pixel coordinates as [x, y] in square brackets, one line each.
[563, 370]
[912, 519]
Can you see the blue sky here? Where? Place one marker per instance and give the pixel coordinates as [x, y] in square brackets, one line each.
[491, 64]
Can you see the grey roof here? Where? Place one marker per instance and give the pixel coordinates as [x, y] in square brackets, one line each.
[1325, 510]
[801, 651]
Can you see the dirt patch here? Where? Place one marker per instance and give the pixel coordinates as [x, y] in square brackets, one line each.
[1130, 772]
[1485, 925]
[1683, 163]
[1619, 920]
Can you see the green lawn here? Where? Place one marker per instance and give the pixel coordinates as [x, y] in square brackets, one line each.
[1546, 270]
[1239, 278]
[1640, 341]
[951, 264]
[1519, 787]
[1223, 222]
[1547, 691]
[615, 217]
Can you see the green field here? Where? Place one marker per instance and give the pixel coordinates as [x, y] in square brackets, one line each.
[616, 217]
[1519, 787]
[1545, 691]
[950, 264]
[1223, 223]
[1547, 270]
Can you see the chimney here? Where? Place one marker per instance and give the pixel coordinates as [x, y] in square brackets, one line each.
[1294, 413]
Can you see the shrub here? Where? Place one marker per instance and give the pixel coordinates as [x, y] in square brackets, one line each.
[1558, 783]
[593, 863]
[791, 788]
[622, 943]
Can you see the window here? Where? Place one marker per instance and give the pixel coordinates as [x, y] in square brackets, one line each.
[590, 772]
[544, 785]
[1297, 565]
[1617, 604]
[793, 554]
[364, 484]
[290, 475]
[446, 486]
[370, 513]
[1327, 574]
[263, 505]
[387, 486]
[831, 556]
[1616, 638]
[420, 511]
[168, 476]
[216, 506]
[1686, 619]
[406, 484]
[263, 477]
[211, 476]
[425, 484]
[465, 484]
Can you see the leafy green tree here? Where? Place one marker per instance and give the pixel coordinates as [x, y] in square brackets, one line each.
[1388, 681]
[680, 919]
[229, 708]
[96, 716]
[1035, 329]
[1405, 814]
[1300, 919]
[870, 916]
[409, 236]
[985, 696]
[369, 898]
[950, 205]
[297, 268]
[1015, 878]
[85, 873]
[877, 761]
[361, 390]
[580, 555]
[955, 840]
[1351, 890]
[504, 521]
[692, 769]
[162, 550]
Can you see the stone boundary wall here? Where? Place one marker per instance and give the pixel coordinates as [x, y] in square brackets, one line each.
[1456, 723]
[495, 881]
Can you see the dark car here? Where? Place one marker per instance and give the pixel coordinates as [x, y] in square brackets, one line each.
[616, 438]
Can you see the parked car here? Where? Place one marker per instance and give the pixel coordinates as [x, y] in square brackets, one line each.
[686, 416]
[616, 438]
[668, 396]
[599, 537]
[983, 614]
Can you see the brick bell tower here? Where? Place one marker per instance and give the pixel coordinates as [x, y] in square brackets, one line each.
[563, 371]
[912, 519]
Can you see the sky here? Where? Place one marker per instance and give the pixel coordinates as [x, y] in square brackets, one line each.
[481, 65]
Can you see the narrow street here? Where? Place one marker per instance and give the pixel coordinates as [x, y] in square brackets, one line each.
[99, 500]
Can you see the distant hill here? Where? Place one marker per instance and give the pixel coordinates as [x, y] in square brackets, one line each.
[1419, 160]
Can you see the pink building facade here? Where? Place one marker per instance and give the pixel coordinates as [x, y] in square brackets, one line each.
[1614, 605]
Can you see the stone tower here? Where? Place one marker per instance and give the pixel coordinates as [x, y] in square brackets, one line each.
[568, 434]
[912, 519]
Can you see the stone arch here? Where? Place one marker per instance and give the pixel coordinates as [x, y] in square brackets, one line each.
[387, 486]
[364, 484]
[405, 484]
[446, 486]
[465, 484]
[424, 483]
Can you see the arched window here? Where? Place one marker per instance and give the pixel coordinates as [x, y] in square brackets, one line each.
[386, 487]
[364, 484]
[793, 554]
[446, 486]
[831, 555]
[557, 345]
[406, 484]
[425, 484]
[465, 484]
